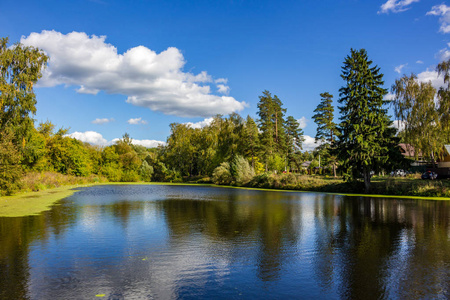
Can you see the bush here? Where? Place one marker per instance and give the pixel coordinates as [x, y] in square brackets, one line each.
[264, 180]
[222, 174]
[130, 176]
[173, 176]
[241, 171]
[146, 171]
[112, 172]
[10, 169]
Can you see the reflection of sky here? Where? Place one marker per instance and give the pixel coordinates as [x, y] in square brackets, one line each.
[121, 245]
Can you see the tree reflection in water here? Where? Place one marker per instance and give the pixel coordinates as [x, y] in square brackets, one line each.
[181, 241]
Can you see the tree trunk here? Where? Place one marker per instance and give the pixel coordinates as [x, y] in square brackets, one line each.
[334, 169]
[366, 181]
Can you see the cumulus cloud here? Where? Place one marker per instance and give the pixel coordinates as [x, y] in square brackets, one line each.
[148, 79]
[444, 12]
[399, 124]
[419, 62]
[221, 80]
[398, 69]
[148, 143]
[389, 97]
[136, 121]
[201, 124]
[102, 121]
[309, 143]
[395, 6]
[90, 137]
[433, 76]
[223, 89]
[444, 54]
[303, 122]
[95, 138]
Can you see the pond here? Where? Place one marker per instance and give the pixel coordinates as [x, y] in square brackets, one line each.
[196, 242]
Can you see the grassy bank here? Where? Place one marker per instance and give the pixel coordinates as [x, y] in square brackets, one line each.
[40, 181]
[42, 190]
[412, 186]
[33, 203]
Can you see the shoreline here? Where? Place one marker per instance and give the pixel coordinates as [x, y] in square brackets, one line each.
[34, 203]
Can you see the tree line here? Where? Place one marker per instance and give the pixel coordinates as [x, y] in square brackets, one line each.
[231, 149]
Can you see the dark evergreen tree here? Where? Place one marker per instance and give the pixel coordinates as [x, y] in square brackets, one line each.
[365, 135]
[266, 125]
[278, 120]
[326, 128]
[294, 140]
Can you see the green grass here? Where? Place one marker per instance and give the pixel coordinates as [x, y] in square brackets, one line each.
[32, 203]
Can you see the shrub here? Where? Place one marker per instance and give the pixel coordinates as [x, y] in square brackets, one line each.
[10, 169]
[112, 172]
[173, 176]
[146, 171]
[241, 171]
[130, 176]
[222, 174]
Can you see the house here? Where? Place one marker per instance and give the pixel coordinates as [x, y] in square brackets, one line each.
[417, 164]
[443, 164]
[408, 151]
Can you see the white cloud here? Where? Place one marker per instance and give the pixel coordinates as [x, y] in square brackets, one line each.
[148, 79]
[147, 143]
[221, 80]
[95, 138]
[223, 89]
[399, 124]
[396, 6]
[84, 90]
[398, 69]
[90, 137]
[303, 122]
[433, 76]
[389, 97]
[136, 121]
[309, 143]
[444, 12]
[102, 121]
[444, 54]
[419, 62]
[201, 124]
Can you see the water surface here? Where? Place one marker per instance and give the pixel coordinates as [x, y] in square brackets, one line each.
[193, 242]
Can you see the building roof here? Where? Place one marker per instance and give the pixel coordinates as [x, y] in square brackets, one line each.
[408, 150]
[447, 148]
[306, 164]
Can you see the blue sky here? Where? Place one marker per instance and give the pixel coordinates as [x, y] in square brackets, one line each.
[137, 66]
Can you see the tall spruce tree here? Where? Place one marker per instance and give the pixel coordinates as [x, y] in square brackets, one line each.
[294, 140]
[365, 134]
[266, 125]
[326, 128]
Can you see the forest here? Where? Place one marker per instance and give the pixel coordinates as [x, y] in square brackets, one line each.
[232, 150]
